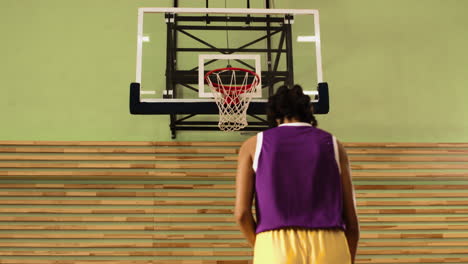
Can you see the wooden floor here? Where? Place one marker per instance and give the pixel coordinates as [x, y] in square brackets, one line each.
[172, 202]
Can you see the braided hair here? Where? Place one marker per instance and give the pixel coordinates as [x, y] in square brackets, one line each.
[290, 103]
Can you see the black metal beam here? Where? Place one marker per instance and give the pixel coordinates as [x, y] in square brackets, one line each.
[248, 16]
[236, 50]
[172, 117]
[185, 118]
[289, 53]
[226, 51]
[278, 54]
[234, 19]
[215, 128]
[199, 40]
[263, 121]
[169, 52]
[181, 73]
[229, 51]
[239, 28]
[269, 58]
[191, 77]
[213, 123]
[208, 21]
[269, 34]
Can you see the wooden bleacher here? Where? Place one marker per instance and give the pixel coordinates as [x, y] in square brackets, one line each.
[172, 202]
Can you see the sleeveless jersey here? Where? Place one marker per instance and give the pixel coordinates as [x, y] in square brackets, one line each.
[297, 179]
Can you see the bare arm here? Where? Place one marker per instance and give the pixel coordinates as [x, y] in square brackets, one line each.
[245, 190]
[349, 203]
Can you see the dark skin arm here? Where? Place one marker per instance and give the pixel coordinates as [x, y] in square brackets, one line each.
[349, 203]
[245, 190]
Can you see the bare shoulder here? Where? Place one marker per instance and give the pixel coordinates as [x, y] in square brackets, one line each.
[248, 147]
[342, 151]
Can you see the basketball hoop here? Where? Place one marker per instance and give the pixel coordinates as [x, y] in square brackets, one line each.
[232, 89]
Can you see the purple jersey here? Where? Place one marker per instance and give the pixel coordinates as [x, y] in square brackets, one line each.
[297, 180]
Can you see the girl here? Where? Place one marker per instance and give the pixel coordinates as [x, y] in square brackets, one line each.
[300, 175]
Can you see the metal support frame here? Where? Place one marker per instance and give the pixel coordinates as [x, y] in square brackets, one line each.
[173, 66]
[224, 11]
[289, 53]
[171, 61]
[186, 78]
[268, 83]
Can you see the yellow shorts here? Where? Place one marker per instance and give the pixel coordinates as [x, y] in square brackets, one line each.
[301, 246]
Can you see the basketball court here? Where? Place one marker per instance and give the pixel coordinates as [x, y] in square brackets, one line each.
[122, 123]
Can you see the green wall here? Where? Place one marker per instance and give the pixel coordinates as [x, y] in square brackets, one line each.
[396, 69]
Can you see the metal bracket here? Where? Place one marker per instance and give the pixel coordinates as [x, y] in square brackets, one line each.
[289, 19]
[169, 18]
[168, 94]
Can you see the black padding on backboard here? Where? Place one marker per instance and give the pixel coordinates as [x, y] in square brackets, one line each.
[208, 108]
[323, 105]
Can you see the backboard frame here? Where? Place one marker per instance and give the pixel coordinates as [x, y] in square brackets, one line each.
[249, 11]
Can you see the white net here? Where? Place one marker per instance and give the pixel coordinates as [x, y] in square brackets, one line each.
[232, 89]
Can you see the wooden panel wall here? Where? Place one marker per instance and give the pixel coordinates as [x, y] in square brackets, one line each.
[172, 203]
